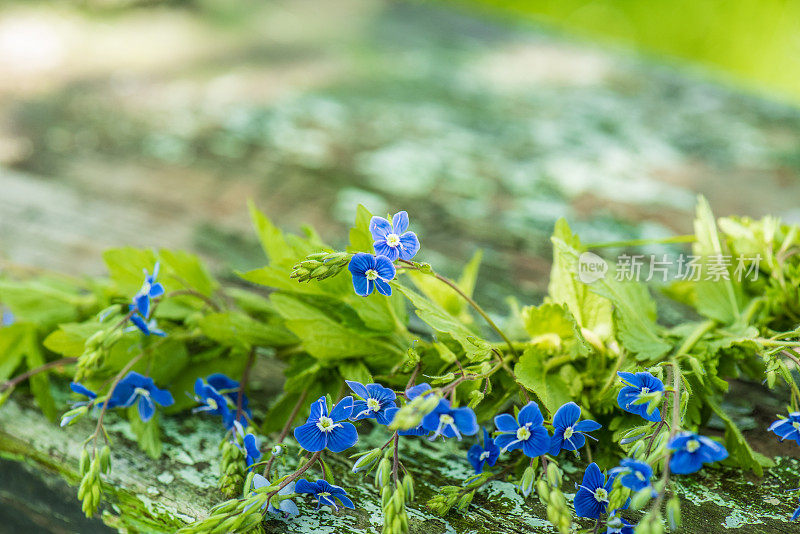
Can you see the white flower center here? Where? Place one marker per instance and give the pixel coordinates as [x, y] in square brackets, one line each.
[640, 476]
[212, 403]
[523, 433]
[141, 391]
[392, 240]
[601, 495]
[796, 425]
[692, 445]
[371, 274]
[645, 391]
[373, 405]
[568, 432]
[325, 424]
[484, 455]
[445, 419]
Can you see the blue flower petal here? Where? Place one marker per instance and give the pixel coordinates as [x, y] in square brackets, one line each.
[383, 288]
[343, 409]
[310, 437]
[587, 426]
[530, 413]
[409, 245]
[342, 438]
[538, 443]
[162, 396]
[379, 227]
[146, 408]
[304, 486]
[466, 421]
[506, 423]
[567, 415]
[318, 409]
[358, 388]
[385, 268]
[400, 222]
[383, 249]
[82, 390]
[360, 263]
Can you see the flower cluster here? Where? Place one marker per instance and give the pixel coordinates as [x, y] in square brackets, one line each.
[392, 242]
[141, 306]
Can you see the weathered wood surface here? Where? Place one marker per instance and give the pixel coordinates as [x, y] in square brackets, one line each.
[160, 496]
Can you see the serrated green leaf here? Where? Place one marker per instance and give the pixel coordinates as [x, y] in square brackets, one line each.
[148, 434]
[189, 270]
[436, 317]
[551, 388]
[360, 236]
[238, 329]
[554, 319]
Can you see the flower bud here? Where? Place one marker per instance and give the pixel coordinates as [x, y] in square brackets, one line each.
[554, 475]
[526, 484]
[366, 460]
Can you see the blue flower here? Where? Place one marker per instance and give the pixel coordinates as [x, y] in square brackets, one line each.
[691, 451]
[376, 400]
[150, 289]
[324, 493]
[142, 324]
[617, 525]
[637, 385]
[592, 497]
[526, 432]
[212, 401]
[796, 514]
[135, 387]
[251, 449]
[636, 475]
[787, 428]
[371, 271]
[287, 506]
[568, 433]
[230, 388]
[82, 390]
[391, 238]
[487, 454]
[322, 431]
[450, 422]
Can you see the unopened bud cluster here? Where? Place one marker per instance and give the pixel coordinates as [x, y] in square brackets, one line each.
[232, 468]
[320, 266]
[90, 490]
[410, 415]
[550, 494]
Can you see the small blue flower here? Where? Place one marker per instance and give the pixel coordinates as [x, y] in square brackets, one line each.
[637, 385]
[325, 493]
[450, 422]
[287, 506]
[376, 400]
[142, 324]
[617, 525]
[230, 388]
[135, 387]
[150, 289]
[788, 428]
[479, 456]
[251, 449]
[371, 271]
[526, 432]
[592, 497]
[322, 431]
[636, 475]
[568, 433]
[391, 238]
[691, 451]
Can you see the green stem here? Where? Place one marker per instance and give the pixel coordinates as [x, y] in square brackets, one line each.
[689, 343]
[470, 300]
[14, 382]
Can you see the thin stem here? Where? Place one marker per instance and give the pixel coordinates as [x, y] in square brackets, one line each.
[294, 476]
[14, 382]
[116, 381]
[676, 421]
[471, 302]
[396, 459]
[413, 376]
[286, 426]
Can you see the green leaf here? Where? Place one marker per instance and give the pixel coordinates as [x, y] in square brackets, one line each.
[271, 237]
[444, 295]
[189, 270]
[738, 448]
[40, 383]
[551, 388]
[237, 329]
[590, 310]
[554, 319]
[360, 236]
[435, 316]
[12, 345]
[44, 302]
[70, 338]
[148, 434]
[722, 299]
[355, 370]
[126, 265]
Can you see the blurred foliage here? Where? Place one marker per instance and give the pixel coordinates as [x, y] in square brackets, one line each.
[754, 40]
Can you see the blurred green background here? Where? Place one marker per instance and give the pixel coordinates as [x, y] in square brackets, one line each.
[754, 42]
